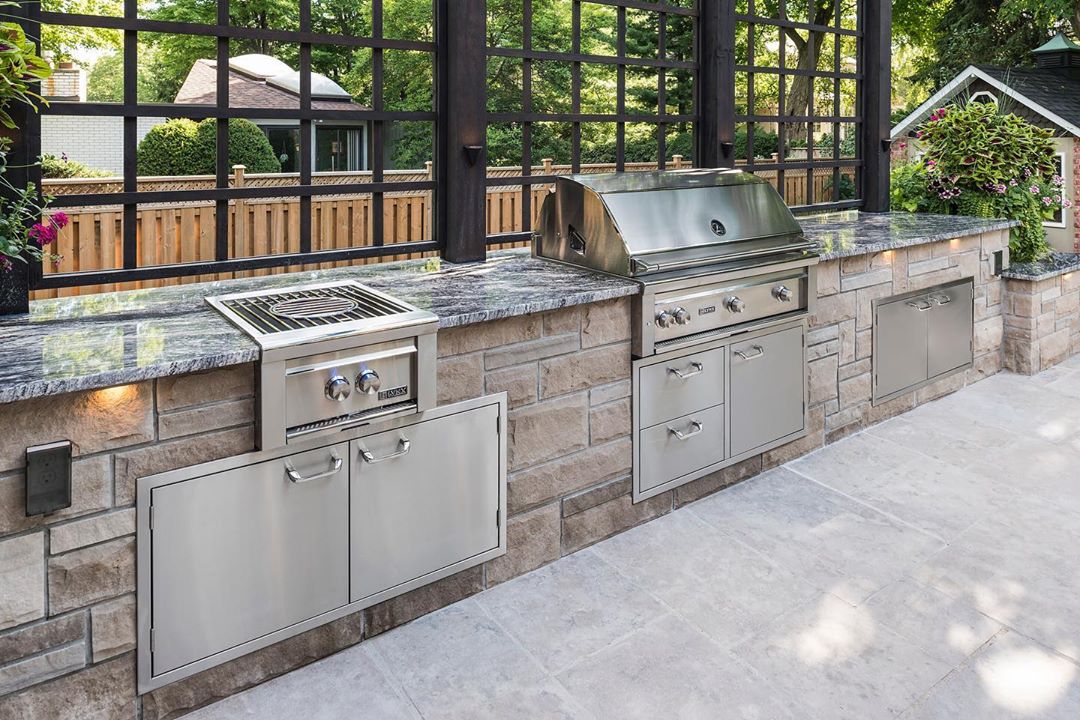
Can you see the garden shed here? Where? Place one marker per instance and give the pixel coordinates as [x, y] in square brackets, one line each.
[1047, 95]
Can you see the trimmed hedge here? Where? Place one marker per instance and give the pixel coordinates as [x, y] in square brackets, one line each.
[166, 149]
[183, 147]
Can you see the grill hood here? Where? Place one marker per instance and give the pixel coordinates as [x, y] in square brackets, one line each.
[639, 224]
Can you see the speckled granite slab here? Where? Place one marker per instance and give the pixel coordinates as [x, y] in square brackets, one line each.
[850, 233]
[1057, 264]
[95, 341]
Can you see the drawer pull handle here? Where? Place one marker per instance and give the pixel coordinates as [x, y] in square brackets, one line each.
[941, 299]
[297, 478]
[404, 444]
[754, 353]
[687, 374]
[919, 306]
[697, 428]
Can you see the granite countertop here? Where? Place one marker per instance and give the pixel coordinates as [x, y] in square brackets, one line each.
[95, 341]
[850, 233]
[1058, 263]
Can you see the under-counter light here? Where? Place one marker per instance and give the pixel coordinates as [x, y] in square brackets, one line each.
[114, 395]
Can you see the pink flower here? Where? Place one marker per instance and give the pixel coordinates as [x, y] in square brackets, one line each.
[931, 162]
[1048, 201]
[1058, 180]
[1034, 189]
[1013, 183]
[5, 264]
[1066, 203]
[60, 219]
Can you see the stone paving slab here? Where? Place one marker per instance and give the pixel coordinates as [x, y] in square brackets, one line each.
[924, 569]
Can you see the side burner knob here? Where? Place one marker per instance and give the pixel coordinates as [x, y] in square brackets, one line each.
[665, 319]
[368, 382]
[682, 316]
[338, 389]
[783, 293]
[734, 304]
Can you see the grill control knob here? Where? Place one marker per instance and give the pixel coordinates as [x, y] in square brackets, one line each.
[665, 319]
[338, 388]
[734, 304]
[783, 293]
[682, 316]
[368, 382]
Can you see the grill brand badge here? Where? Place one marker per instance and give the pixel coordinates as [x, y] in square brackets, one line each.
[394, 392]
[718, 228]
[706, 310]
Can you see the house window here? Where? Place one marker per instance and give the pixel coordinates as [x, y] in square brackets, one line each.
[984, 96]
[1059, 217]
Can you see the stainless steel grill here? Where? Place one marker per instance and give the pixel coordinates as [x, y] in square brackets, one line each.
[716, 251]
[334, 355]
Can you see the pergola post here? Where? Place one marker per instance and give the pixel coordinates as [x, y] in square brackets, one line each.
[716, 97]
[876, 104]
[461, 166]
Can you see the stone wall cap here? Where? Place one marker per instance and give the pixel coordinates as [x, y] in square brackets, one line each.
[1057, 264]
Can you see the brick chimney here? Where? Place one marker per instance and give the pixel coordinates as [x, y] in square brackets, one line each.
[67, 82]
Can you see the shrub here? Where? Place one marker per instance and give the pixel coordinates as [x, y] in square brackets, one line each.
[765, 144]
[62, 167]
[248, 146]
[167, 149]
[980, 161]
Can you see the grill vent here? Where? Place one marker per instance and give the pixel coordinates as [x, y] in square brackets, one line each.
[315, 307]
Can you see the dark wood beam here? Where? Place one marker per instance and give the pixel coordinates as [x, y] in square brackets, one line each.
[876, 97]
[716, 85]
[461, 165]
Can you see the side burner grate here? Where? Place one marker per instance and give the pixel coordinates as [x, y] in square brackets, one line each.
[277, 312]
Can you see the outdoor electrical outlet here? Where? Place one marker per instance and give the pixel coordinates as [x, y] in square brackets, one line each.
[48, 478]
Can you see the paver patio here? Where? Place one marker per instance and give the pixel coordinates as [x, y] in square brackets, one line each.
[924, 568]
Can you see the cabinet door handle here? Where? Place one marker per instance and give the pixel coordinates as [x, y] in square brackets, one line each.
[685, 374]
[754, 353]
[297, 478]
[941, 299]
[697, 428]
[404, 445]
[917, 304]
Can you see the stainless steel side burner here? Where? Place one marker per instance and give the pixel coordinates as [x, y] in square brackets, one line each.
[335, 355]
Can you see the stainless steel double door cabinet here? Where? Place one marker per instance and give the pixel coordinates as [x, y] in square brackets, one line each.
[922, 336]
[237, 554]
[699, 410]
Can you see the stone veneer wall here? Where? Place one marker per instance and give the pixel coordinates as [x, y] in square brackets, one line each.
[67, 608]
[841, 343]
[1042, 322]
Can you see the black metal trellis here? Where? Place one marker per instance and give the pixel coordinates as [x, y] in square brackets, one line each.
[460, 116]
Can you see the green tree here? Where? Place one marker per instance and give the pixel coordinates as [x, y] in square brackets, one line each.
[70, 42]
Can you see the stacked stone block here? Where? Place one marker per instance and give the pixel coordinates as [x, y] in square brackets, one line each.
[1042, 322]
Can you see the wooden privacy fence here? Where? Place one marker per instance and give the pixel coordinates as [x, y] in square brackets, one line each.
[185, 232]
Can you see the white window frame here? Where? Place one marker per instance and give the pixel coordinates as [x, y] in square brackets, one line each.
[984, 93]
[1060, 158]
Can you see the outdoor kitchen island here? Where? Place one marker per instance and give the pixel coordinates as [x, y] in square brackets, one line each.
[147, 381]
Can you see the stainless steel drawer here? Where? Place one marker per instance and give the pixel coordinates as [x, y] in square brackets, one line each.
[676, 387]
[424, 497]
[680, 446]
[768, 389]
[243, 553]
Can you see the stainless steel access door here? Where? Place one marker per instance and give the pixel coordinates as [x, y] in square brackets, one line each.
[949, 341]
[424, 496]
[246, 552]
[767, 396]
[900, 341]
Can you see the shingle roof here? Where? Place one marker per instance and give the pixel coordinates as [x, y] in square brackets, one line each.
[200, 88]
[1053, 91]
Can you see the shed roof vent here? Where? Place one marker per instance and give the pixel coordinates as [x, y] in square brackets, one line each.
[1060, 53]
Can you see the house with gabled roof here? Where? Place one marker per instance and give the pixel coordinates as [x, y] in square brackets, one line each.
[263, 82]
[1047, 95]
